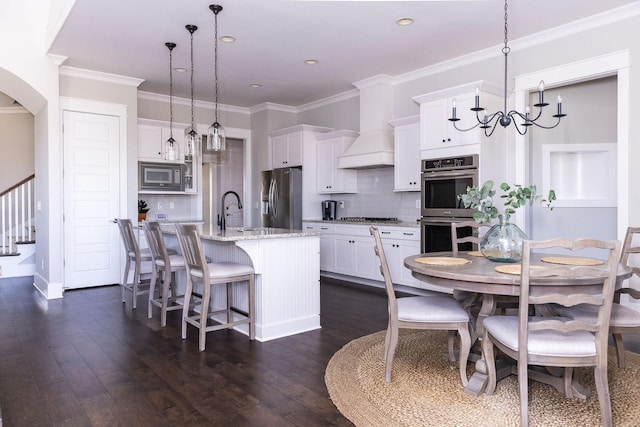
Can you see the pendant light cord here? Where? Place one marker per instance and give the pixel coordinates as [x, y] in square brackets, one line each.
[192, 114]
[215, 59]
[170, 46]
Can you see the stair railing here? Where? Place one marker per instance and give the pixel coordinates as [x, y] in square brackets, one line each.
[17, 216]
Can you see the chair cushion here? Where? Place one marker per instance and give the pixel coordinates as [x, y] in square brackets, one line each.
[620, 315]
[220, 270]
[177, 262]
[436, 308]
[545, 342]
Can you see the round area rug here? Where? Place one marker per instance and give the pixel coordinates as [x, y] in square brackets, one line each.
[425, 389]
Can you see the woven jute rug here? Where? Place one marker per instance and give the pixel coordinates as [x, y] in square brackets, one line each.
[426, 389]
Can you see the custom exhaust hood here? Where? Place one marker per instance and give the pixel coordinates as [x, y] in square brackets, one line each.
[374, 147]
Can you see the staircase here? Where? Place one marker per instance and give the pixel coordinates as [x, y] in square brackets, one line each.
[17, 230]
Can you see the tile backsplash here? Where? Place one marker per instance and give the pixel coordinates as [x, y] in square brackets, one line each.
[376, 198]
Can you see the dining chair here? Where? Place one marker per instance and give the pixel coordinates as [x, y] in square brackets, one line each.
[467, 299]
[439, 312]
[209, 274]
[165, 265]
[623, 319]
[474, 238]
[134, 256]
[557, 341]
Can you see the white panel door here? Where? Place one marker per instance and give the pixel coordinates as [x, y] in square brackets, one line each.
[91, 200]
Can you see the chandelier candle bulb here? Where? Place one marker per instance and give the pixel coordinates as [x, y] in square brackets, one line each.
[453, 109]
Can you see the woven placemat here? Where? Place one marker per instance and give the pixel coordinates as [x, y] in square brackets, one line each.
[514, 268]
[475, 253]
[442, 260]
[426, 390]
[572, 260]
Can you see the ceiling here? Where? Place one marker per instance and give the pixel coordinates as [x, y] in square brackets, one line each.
[352, 40]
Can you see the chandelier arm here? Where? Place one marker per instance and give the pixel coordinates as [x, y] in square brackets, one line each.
[493, 128]
[465, 130]
[490, 117]
[547, 127]
[521, 132]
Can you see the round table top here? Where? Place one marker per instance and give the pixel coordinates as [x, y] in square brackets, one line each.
[479, 275]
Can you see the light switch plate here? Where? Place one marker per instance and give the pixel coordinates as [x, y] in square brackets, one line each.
[418, 204]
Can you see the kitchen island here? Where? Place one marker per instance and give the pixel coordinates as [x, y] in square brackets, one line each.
[287, 267]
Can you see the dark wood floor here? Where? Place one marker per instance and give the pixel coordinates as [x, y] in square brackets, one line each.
[89, 360]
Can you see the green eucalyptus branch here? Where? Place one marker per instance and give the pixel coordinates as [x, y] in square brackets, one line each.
[481, 198]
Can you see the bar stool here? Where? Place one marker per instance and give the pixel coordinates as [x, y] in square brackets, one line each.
[135, 256]
[165, 266]
[209, 274]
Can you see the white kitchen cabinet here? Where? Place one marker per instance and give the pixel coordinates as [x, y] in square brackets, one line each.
[436, 131]
[327, 244]
[406, 170]
[399, 243]
[354, 256]
[348, 250]
[153, 134]
[286, 150]
[329, 177]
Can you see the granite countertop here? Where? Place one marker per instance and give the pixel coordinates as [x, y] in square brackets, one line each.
[414, 224]
[211, 231]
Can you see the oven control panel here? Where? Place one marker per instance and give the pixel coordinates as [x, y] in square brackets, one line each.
[449, 163]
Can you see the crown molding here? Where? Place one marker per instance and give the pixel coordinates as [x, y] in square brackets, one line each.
[157, 97]
[352, 93]
[100, 76]
[270, 106]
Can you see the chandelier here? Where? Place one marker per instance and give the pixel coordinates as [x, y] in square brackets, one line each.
[191, 137]
[171, 145]
[488, 122]
[216, 140]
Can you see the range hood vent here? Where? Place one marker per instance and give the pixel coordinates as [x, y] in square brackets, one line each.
[374, 147]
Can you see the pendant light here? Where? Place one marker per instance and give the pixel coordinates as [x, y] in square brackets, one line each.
[191, 137]
[488, 122]
[171, 145]
[216, 140]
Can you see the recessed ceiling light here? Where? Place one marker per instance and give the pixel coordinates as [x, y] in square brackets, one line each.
[180, 69]
[255, 85]
[227, 39]
[310, 61]
[404, 21]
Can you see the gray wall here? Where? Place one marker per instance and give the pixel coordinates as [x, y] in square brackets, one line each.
[17, 145]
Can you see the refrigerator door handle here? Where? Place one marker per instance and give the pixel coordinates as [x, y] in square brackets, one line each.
[275, 199]
[270, 203]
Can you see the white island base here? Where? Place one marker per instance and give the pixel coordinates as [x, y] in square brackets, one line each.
[287, 268]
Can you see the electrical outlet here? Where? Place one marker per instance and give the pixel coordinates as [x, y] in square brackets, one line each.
[171, 205]
[341, 204]
[159, 205]
[418, 204]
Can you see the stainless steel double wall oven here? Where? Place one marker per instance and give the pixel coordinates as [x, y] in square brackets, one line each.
[442, 181]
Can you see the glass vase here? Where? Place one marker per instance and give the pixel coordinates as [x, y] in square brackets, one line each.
[503, 241]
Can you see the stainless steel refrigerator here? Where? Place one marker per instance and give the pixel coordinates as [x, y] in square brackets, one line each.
[281, 195]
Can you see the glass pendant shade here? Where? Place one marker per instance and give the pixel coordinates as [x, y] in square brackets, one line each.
[217, 139]
[171, 151]
[191, 143]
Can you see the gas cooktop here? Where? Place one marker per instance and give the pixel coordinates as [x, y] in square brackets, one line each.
[366, 219]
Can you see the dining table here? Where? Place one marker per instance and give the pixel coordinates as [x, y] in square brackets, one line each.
[477, 275]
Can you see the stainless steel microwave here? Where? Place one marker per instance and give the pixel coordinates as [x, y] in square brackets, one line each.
[160, 176]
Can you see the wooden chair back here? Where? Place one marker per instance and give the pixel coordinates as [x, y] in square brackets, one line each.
[631, 258]
[128, 238]
[192, 250]
[599, 296]
[158, 249]
[474, 239]
[386, 274]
